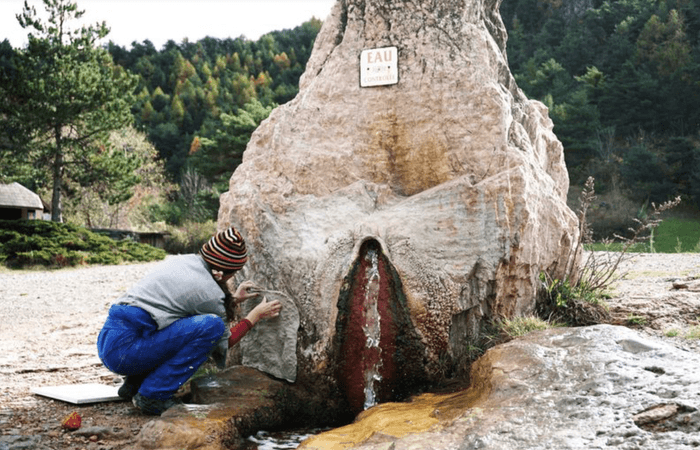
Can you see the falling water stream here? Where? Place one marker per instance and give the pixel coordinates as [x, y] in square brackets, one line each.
[371, 326]
[265, 440]
[372, 360]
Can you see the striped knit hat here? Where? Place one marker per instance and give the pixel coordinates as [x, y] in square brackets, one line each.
[225, 251]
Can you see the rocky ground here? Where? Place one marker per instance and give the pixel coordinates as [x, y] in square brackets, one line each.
[659, 295]
[50, 321]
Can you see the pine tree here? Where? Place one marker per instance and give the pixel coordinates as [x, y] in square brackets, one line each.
[63, 99]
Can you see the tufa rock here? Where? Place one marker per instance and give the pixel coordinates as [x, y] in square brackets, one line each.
[452, 173]
[563, 388]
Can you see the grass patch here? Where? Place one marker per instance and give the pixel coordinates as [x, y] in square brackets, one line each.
[572, 305]
[693, 333]
[677, 236]
[672, 235]
[615, 247]
[45, 244]
[520, 326]
[636, 320]
[633, 275]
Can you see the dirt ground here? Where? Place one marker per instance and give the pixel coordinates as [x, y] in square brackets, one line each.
[49, 321]
[659, 295]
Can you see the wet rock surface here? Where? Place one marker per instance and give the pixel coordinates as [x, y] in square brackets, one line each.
[223, 409]
[579, 388]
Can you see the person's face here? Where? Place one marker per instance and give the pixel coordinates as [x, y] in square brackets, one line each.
[227, 276]
[222, 277]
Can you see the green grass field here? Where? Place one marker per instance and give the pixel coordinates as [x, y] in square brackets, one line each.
[673, 235]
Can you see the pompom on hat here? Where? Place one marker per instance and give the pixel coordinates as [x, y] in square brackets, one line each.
[225, 251]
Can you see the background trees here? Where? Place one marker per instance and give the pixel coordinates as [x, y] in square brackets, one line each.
[621, 80]
[190, 85]
[61, 96]
[200, 102]
[196, 102]
[103, 202]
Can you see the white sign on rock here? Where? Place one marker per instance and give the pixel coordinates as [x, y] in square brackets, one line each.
[379, 67]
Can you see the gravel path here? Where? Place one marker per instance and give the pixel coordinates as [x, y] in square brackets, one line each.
[645, 298]
[50, 322]
[48, 328]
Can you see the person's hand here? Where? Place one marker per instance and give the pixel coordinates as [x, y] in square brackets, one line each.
[246, 290]
[264, 310]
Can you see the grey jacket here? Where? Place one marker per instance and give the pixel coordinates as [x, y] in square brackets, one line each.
[180, 286]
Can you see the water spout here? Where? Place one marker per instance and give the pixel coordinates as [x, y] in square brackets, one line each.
[366, 330]
[377, 351]
[372, 325]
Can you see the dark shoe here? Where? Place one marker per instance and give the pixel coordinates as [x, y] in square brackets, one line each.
[130, 387]
[152, 406]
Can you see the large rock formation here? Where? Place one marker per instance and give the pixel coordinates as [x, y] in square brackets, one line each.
[397, 219]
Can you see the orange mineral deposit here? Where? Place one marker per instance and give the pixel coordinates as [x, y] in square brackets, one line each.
[72, 421]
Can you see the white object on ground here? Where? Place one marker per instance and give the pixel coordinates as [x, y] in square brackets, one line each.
[79, 394]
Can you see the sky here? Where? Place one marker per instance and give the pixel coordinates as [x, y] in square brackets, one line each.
[163, 20]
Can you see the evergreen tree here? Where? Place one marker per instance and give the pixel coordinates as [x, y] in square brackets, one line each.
[186, 88]
[219, 150]
[611, 71]
[62, 98]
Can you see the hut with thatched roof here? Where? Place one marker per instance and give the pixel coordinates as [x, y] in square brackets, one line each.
[18, 202]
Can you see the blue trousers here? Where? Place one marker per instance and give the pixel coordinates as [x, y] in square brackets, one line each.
[131, 344]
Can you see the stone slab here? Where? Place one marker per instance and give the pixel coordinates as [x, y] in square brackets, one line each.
[79, 394]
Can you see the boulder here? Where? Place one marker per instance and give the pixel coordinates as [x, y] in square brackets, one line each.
[223, 409]
[418, 211]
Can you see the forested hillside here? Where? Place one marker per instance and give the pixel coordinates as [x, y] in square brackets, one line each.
[621, 80]
[189, 92]
[199, 103]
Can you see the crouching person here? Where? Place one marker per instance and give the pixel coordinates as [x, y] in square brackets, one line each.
[166, 325]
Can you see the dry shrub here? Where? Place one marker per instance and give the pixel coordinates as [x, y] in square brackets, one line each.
[577, 298]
